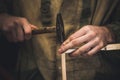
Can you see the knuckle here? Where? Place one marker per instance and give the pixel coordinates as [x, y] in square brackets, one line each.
[75, 42]
[92, 33]
[97, 39]
[71, 38]
[87, 27]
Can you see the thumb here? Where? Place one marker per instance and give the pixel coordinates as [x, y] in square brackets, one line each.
[33, 27]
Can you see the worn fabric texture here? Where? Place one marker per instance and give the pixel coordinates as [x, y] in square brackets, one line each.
[40, 52]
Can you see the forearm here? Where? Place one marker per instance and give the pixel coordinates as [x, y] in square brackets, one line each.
[108, 33]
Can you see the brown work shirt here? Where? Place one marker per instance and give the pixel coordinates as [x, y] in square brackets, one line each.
[41, 51]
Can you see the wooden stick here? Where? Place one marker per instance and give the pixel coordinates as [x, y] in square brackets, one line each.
[63, 62]
[43, 30]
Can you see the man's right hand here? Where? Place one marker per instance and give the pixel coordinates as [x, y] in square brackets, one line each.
[15, 29]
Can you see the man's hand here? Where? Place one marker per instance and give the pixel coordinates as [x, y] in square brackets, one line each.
[91, 38]
[15, 29]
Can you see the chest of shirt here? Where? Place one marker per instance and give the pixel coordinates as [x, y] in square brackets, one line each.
[46, 10]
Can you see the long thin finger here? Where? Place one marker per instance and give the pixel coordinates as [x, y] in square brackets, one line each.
[85, 48]
[72, 44]
[94, 50]
[77, 34]
[76, 42]
[33, 27]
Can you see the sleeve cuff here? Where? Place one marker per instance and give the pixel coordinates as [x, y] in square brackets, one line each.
[115, 30]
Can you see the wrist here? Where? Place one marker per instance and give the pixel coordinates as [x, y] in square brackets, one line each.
[110, 36]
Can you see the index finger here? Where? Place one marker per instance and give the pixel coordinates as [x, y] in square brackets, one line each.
[75, 35]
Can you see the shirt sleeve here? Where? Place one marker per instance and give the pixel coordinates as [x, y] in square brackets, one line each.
[114, 24]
